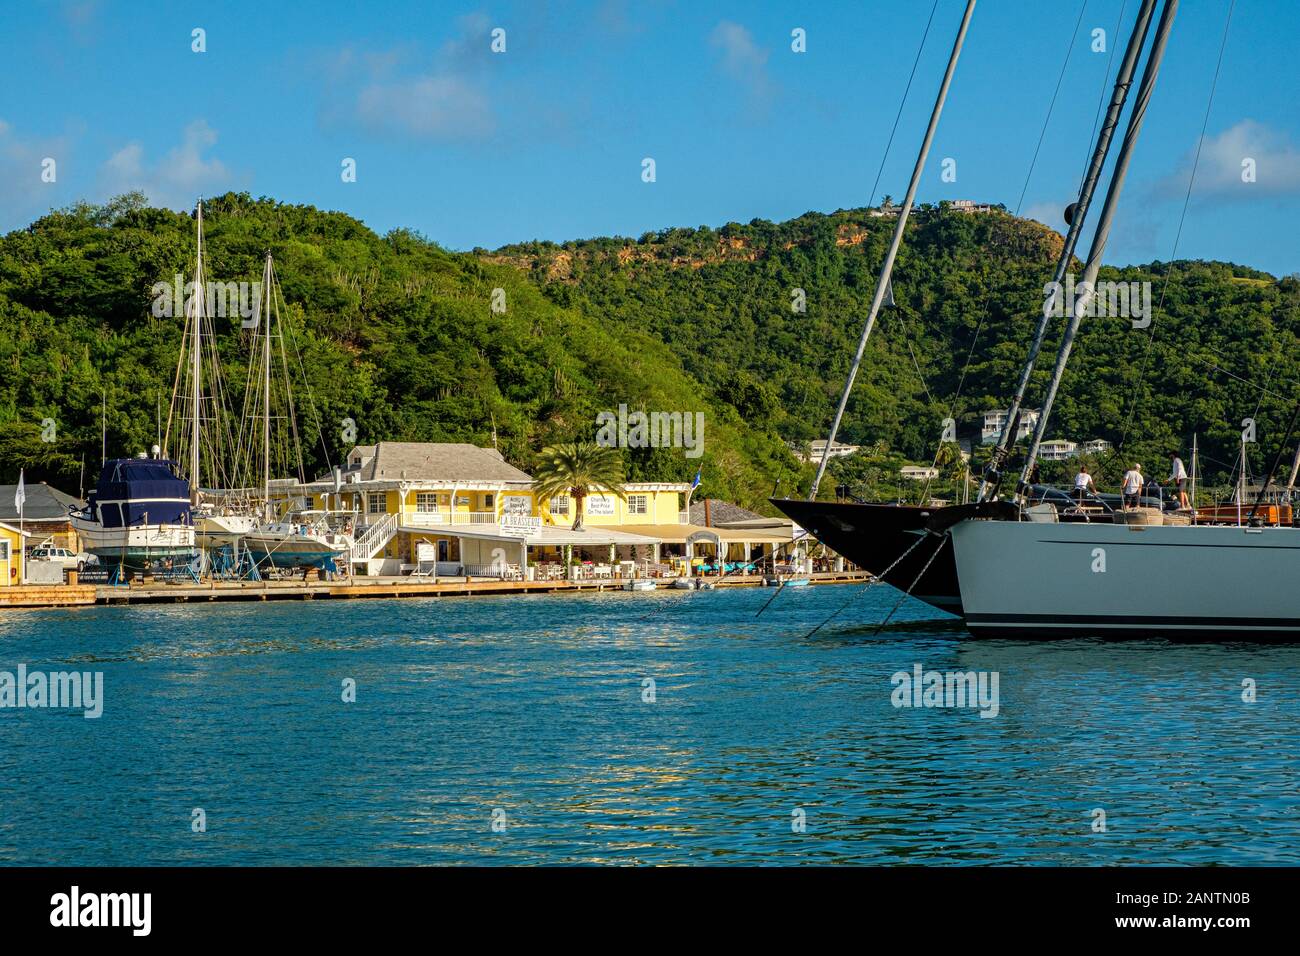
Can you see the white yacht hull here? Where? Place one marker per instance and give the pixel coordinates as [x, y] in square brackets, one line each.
[1027, 579]
[138, 545]
[219, 530]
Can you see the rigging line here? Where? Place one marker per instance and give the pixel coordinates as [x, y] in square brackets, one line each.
[1187, 198]
[1101, 99]
[906, 594]
[1262, 389]
[1033, 162]
[899, 115]
[879, 579]
[1069, 50]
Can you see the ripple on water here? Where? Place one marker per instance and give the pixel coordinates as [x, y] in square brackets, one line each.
[534, 707]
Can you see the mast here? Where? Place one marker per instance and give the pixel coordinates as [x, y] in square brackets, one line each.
[196, 367]
[887, 267]
[1295, 471]
[1193, 477]
[266, 388]
[1086, 287]
[1123, 81]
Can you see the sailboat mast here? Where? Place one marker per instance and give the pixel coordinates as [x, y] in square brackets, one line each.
[266, 387]
[887, 267]
[1083, 303]
[1123, 81]
[196, 366]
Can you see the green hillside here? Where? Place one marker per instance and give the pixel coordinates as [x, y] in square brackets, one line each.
[398, 335]
[968, 288]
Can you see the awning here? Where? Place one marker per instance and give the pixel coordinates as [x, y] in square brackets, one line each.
[681, 533]
[548, 537]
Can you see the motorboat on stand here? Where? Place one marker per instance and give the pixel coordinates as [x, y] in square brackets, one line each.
[138, 517]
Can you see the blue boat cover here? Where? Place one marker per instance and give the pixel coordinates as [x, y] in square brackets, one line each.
[139, 483]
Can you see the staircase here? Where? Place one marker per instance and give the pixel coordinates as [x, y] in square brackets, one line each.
[371, 540]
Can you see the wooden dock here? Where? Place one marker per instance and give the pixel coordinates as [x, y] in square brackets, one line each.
[392, 588]
[47, 595]
[151, 592]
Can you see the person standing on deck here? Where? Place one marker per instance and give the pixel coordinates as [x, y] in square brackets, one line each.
[1083, 484]
[1178, 476]
[1133, 487]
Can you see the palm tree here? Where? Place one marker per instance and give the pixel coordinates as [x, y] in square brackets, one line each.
[578, 469]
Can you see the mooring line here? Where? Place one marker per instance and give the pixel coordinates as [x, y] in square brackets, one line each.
[879, 579]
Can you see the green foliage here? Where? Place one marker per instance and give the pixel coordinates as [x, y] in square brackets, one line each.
[394, 332]
[967, 286]
[398, 335]
[578, 469]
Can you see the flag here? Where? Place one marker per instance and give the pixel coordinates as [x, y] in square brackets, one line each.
[889, 294]
[696, 483]
[21, 494]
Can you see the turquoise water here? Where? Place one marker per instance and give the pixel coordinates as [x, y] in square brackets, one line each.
[532, 708]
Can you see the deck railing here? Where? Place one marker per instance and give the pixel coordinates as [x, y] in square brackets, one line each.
[449, 517]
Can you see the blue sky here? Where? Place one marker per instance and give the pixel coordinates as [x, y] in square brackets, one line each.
[546, 140]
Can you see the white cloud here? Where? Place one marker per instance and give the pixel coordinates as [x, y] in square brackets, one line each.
[23, 193]
[178, 178]
[433, 107]
[1219, 174]
[1050, 214]
[742, 59]
[447, 100]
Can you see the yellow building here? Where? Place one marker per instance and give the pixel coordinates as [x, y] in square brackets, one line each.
[456, 509]
[12, 543]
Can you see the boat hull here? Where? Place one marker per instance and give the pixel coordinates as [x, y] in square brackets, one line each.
[219, 530]
[280, 552]
[1033, 580]
[874, 536]
[138, 547]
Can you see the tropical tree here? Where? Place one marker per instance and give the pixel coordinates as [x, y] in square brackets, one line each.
[578, 469]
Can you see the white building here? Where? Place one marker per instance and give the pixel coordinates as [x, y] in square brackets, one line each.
[996, 419]
[1096, 446]
[818, 451]
[969, 205]
[1058, 449]
[918, 473]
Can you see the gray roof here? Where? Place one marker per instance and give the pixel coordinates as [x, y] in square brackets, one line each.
[720, 512]
[434, 461]
[43, 502]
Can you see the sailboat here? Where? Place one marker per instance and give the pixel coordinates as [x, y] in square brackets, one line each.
[889, 540]
[298, 537]
[1023, 572]
[198, 420]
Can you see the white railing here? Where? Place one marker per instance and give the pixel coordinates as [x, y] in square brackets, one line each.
[683, 517]
[449, 517]
[373, 537]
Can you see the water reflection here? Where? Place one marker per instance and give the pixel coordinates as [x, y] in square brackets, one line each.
[535, 707]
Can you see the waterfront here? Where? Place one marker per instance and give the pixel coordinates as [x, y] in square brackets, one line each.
[533, 705]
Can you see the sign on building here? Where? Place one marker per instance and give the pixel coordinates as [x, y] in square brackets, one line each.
[516, 505]
[601, 505]
[527, 526]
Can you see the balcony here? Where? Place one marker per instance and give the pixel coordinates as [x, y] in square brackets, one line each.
[438, 518]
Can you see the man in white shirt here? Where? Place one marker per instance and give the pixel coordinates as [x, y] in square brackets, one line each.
[1083, 484]
[1178, 475]
[1133, 487]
